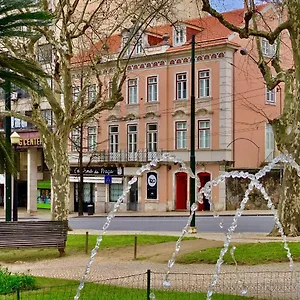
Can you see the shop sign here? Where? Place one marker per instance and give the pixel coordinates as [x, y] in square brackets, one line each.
[98, 171]
[30, 142]
[151, 185]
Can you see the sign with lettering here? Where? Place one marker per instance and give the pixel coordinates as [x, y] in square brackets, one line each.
[97, 170]
[30, 142]
[151, 185]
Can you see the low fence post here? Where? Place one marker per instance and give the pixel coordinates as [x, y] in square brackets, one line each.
[135, 248]
[148, 284]
[18, 294]
[86, 242]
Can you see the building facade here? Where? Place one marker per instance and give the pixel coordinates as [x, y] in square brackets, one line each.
[232, 108]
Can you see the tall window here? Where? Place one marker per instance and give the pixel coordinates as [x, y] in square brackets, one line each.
[92, 138]
[48, 116]
[181, 86]
[204, 134]
[152, 88]
[75, 140]
[138, 46]
[268, 50]
[179, 35]
[132, 138]
[114, 139]
[270, 96]
[152, 137]
[181, 135]
[44, 54]
[18, 123]
[269, 143]
[204, 79]
[115, 191]
[132, 91]
[75, 92]
[91, 93]
[126, 43]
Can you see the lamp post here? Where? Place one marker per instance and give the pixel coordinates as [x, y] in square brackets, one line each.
[193, 228]
[7, 129]
[15, 140]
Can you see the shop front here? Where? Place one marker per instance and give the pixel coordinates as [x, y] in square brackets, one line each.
[102, 186]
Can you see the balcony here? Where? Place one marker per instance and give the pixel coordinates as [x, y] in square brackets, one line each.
[123, 156]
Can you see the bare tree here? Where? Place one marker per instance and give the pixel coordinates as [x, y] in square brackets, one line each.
[67, 48]
[287, 126]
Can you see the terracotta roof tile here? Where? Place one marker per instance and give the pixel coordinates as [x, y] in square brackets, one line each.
[211, 32]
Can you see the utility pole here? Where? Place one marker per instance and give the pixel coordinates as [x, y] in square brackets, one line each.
[193, 228]
[7, 128]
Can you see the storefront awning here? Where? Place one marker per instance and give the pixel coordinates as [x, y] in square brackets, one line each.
[95, 179]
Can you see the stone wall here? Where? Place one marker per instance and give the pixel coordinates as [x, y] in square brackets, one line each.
[235, 191]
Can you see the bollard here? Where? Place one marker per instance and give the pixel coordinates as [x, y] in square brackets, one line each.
[86, 242]
[135, 248]
[148, 284]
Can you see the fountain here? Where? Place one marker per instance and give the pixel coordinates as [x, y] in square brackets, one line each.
[206, 190]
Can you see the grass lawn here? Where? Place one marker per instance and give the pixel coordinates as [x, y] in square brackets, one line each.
[76, 245]
[57, 289]
[247, 254]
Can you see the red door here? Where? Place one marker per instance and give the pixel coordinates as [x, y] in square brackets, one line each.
[204, 177]
[181, 190]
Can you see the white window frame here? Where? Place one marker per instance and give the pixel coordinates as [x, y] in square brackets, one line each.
[179, 34]
[75, 139]
[269, 142]
[152, 137]
[267, 49]
[271, 96]
[113, 139]
[181, 86]
[138, 47]
[204, 134]
[181, 135]
[152, 89]
[132, 91]
[204, 83]
[92, 138]
[132, 136]
[91, 92]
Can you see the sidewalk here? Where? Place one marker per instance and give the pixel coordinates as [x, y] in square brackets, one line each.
[46, 214]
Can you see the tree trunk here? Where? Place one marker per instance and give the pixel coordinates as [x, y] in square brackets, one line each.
[289, 207]
[56, 156]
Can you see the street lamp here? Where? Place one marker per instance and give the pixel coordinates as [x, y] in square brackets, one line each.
[15, 140]
[193, 228]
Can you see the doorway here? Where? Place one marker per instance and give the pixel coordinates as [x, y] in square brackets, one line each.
[204, 177]
[133, 196]
[181, 190]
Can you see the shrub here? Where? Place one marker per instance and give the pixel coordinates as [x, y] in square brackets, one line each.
[10, 282]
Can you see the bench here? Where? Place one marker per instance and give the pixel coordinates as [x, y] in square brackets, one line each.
[34, 234]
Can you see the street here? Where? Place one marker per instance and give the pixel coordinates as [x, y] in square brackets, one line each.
[262, 224]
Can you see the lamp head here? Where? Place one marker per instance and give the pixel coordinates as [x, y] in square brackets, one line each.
[15, 138]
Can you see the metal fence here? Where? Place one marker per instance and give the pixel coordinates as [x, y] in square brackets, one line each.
[186, 286]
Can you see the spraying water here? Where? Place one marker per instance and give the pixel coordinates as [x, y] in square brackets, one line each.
[206, 191]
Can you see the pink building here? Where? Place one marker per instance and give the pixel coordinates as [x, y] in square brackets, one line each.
[232, 106]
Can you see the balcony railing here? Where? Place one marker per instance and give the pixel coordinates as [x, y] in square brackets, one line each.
[122, 156]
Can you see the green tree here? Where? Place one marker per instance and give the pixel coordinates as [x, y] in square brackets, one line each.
[15, 18]
[287, 126]
[77, 43]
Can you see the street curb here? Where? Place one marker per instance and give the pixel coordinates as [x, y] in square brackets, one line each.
[172, 216]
